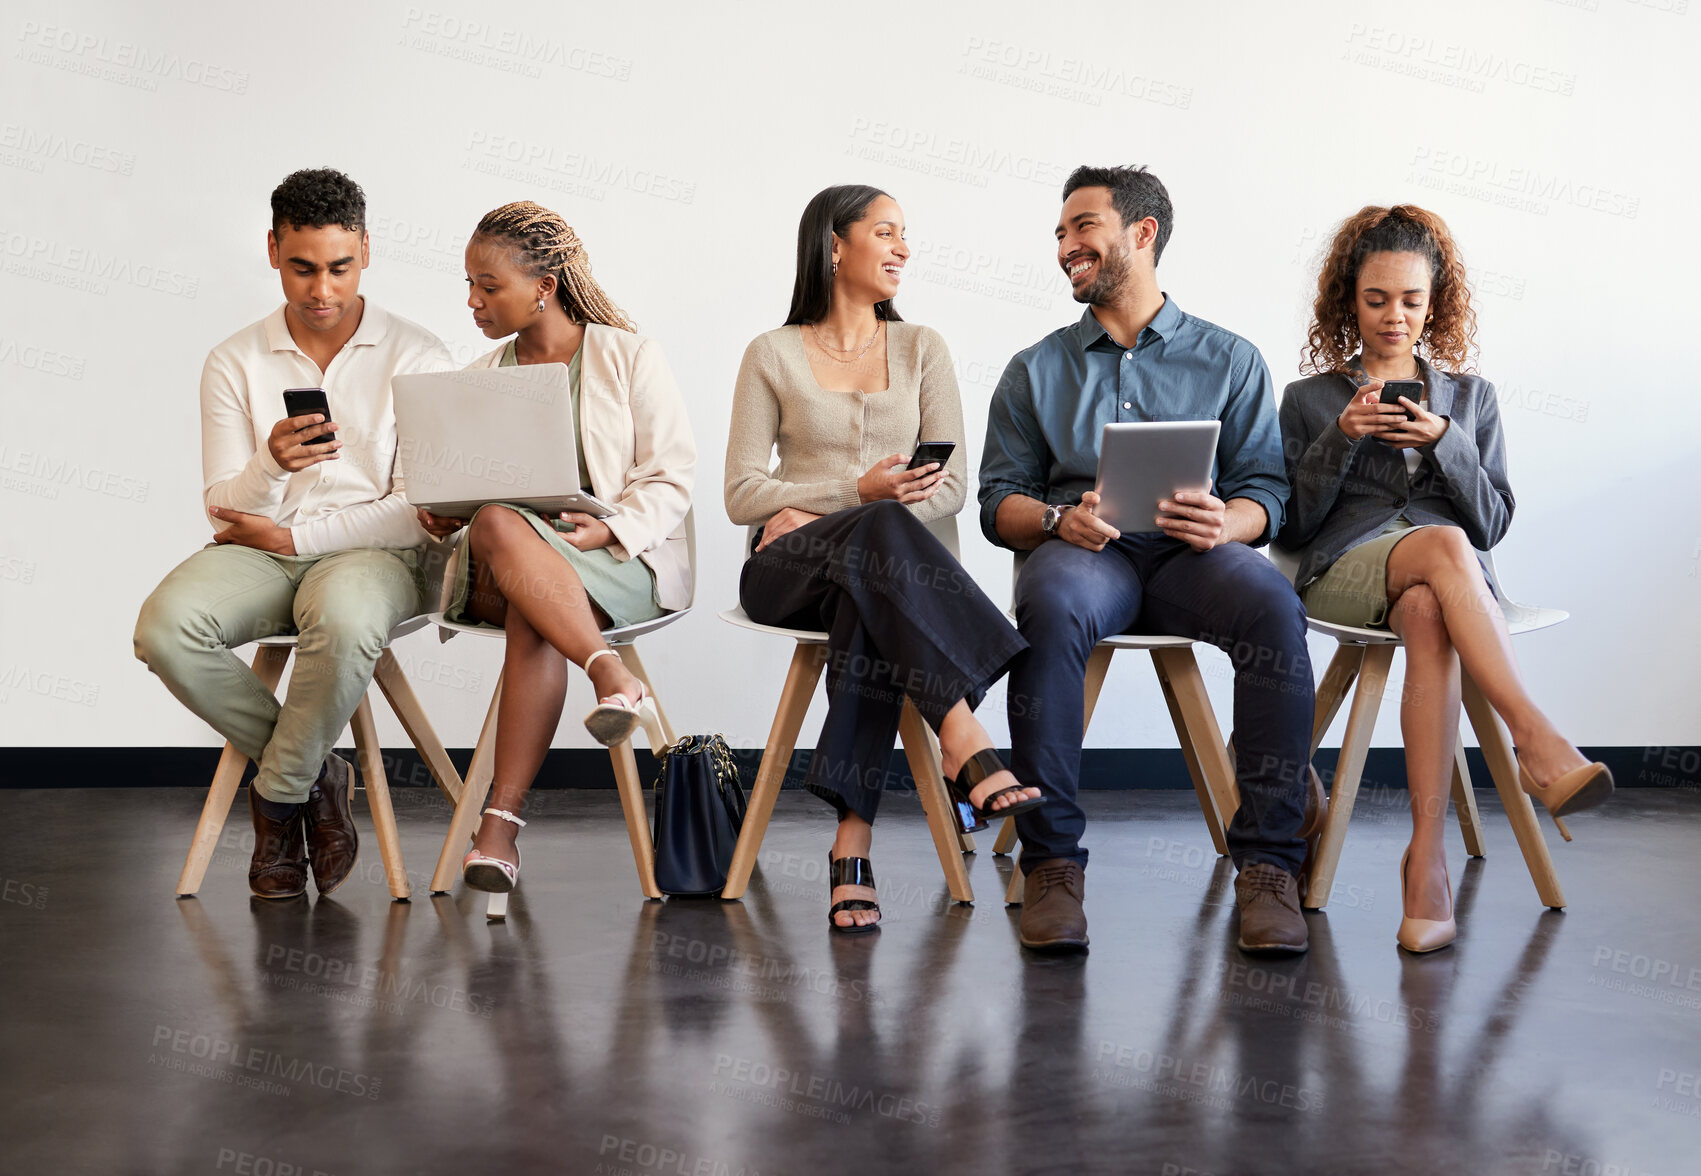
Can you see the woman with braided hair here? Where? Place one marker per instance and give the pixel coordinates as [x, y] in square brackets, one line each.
[1387, 503]
[553, 585]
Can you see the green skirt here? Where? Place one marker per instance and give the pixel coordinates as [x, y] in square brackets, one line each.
[624, 589]
[1354, 591]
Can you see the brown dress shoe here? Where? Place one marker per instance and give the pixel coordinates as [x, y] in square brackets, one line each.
[279, 866]
[332, 841]
[1270, 919]
[1052, 918]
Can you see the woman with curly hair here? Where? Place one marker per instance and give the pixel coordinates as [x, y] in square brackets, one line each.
[553, 584]
[1389, 504]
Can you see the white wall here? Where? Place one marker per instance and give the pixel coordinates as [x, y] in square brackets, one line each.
[138, 146]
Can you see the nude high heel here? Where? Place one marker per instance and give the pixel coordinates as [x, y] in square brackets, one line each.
[1422, 935]
[1576, 790]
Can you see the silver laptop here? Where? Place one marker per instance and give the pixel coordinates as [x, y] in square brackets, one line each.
[490, 435]
[1141, 463]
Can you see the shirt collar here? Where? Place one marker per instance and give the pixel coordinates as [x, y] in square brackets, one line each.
[1163, 325]
[374, 325]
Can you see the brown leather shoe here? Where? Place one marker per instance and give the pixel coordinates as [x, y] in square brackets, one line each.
[1270, 919]
[1052, 918]
[332, 841]
[279, 866]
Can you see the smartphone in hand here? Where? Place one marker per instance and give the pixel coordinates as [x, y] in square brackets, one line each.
[302, 402]
[1412, 390]
[928, 452]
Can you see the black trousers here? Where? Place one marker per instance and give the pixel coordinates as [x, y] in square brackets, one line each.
[902, 618]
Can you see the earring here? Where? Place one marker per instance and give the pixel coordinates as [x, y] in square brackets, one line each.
[540, 306]
[835, 267]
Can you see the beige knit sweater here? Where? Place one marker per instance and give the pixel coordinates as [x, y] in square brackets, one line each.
[827, 440]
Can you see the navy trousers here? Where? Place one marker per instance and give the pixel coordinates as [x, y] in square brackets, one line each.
[1231, 597]
[902, 618]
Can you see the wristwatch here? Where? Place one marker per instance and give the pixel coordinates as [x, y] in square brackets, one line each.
[1050, 519]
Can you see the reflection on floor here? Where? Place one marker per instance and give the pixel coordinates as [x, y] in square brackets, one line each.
[595, 1032]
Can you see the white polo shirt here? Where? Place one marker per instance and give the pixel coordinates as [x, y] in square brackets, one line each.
[353, 501]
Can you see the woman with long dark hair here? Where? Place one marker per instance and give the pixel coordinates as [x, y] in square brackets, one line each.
[553, 584]
[1390, 503]
[846, 390]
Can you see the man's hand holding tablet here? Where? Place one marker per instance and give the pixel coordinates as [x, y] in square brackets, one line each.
[1196, 517]
[1080, 526]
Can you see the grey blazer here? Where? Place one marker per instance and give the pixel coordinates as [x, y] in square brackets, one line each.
[1343, 492]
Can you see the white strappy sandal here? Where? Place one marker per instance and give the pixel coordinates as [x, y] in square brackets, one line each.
[614, 718]
[492, 875]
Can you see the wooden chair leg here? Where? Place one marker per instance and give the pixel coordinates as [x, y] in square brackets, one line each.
[936, 802]
[371, 755]
[1006, 838]
[269, 662]
[1465, 803]
[468, 807]
[1098, 665]
[805, 672]
[1332, 691]
[629, 655]
[965, 841]
[1361, 723]
[1216, 783]
[1201, 786]
[1496, 746]
[1013, 892]
[398, 691]
[637, 822]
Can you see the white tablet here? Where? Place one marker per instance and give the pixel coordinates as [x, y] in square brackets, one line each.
[1141, 463]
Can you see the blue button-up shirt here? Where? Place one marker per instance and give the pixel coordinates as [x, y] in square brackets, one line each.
[1054, 399]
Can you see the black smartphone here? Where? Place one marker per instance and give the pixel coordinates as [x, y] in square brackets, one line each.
[929, 452]
[302, 401]
[1412, 390]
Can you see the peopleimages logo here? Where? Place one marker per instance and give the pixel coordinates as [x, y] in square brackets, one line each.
[41, 146]
[78, 49]
[259, 1064]
[41, 474]
[477, 40]
[27, 255]
[426, 465]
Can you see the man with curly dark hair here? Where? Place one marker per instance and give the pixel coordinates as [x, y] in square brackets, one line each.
[311, 532]
[1135, 356]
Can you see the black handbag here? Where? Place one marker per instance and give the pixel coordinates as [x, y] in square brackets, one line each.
[699, 811]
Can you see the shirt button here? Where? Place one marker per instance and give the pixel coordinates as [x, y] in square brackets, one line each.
[1127, 355]
[1126, 404]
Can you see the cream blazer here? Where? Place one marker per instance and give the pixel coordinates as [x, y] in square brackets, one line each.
[638, 451]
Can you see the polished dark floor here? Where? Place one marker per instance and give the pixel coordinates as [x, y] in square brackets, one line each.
[594, 1032]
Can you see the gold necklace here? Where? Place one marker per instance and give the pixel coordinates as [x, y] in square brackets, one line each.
[828, 351]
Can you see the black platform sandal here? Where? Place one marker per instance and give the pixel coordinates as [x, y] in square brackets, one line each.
[976, 768]
[851, 871]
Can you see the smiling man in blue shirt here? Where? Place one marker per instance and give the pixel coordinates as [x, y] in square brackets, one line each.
[1135, 356]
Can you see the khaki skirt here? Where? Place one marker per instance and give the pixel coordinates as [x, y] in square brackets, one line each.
[624, 589]
[1354, 591]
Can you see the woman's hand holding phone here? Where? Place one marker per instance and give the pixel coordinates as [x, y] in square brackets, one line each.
[887, 478]
[1423, 428]
[1366, 416]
